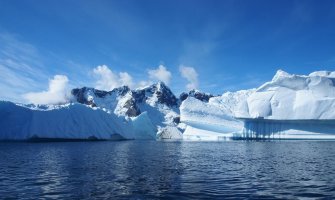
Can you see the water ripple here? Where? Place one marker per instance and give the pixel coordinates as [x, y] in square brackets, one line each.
[183, 170]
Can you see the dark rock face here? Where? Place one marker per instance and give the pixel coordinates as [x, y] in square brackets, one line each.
[79, 94]
[183, 96]
[164, 94]
[132, 108]
[196, 94]
[121, 91]
[176, 120]
[139, 95]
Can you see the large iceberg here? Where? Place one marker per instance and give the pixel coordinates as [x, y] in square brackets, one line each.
[294, 97]
[292, 107]
[69, 121]
[288, 107]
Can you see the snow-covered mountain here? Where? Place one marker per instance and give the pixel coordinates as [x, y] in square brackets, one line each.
[286, 106]
[157, 101]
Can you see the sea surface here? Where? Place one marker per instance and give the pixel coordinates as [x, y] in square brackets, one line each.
[171, 170]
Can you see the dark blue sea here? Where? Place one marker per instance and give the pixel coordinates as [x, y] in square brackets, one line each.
[168, 170]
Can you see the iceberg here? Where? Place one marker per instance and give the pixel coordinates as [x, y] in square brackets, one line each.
[287, 107]
[213, 120]
[292, 107]
[287, 129]
[294, 97]
[69, 121]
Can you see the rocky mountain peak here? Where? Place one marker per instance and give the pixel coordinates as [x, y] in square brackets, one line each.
[196, 94]
[164, 94]
[126, 101]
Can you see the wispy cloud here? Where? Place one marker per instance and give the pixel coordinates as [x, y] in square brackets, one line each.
[20, 66]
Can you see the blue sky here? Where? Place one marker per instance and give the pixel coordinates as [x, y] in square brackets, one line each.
[230, 45]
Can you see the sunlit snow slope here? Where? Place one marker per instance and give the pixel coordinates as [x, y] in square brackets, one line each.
[213, 120]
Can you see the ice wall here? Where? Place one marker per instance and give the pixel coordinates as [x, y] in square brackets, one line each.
[287, 129]
[70, 121]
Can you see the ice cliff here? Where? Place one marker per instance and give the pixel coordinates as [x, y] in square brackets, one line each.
[290, 96]
[69, 121]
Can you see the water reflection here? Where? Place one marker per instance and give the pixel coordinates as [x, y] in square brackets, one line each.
[150, 169]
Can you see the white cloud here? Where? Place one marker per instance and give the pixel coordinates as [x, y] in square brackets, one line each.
[160, 74]
[143, 84]
[190, 75]
[108, 80]
[56, 94]
[126, 79]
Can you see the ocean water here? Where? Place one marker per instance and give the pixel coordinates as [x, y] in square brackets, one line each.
[176, 170]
